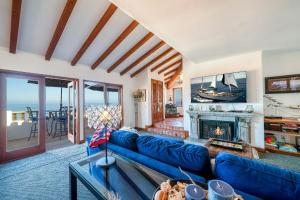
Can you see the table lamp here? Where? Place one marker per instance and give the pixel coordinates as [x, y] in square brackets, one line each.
[105, 118]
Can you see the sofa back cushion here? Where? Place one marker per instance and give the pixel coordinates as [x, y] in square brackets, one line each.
[172, 140]
[257, 178]
[189, 157]
[124, 139]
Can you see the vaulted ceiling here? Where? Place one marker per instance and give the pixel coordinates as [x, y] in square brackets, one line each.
[95, 33]
[102, 35]
[206, 29]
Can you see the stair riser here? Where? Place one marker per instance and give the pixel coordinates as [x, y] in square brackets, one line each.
[168, 132]
[163, 126]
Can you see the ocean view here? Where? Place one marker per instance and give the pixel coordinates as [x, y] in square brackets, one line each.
[22, 107]
[16, 107]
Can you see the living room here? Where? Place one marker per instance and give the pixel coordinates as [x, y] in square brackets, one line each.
[149, 99]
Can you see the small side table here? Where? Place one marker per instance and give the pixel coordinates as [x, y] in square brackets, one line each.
[214, 150]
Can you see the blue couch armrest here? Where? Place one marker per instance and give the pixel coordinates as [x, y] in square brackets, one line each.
[90, 150]
[257, 178]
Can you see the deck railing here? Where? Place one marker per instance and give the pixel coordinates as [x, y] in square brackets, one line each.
[16, 117]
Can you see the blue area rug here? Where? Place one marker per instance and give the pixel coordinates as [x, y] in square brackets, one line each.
[284, 161]
[44, 176]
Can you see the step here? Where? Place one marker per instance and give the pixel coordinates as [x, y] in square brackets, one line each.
[169, 132]
[167, 126]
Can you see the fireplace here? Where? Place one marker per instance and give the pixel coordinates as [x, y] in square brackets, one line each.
[228, 125]
[224, 130]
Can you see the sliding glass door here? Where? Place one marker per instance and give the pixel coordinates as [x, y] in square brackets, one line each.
[22, 131]
[98, 94]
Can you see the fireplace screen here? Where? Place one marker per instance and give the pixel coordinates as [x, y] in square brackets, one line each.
[217, 129]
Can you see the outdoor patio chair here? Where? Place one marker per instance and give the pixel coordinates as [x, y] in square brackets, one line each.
[34, 122]
[61, 122]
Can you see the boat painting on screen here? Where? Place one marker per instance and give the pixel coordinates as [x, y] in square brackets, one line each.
[222, 88]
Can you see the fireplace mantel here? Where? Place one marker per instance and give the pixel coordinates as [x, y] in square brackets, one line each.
[223, 114]
[242, 120]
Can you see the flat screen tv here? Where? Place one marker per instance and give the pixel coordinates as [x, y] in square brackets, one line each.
[221, 88]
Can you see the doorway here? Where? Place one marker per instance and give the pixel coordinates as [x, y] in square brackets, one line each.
[22, 115]
[26, 116]
[157, 105]
[61, 112]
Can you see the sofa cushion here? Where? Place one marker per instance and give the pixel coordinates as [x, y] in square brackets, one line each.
[172, 140]
[164, 168]
[190, 157]
[257, 178]
[125, 139]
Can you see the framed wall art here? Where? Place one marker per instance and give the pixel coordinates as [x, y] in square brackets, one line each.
[282, 84]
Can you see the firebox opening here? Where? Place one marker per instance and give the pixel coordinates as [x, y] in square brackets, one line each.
[224, 130]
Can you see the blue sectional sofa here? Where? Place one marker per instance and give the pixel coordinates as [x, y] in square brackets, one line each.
[251, 179]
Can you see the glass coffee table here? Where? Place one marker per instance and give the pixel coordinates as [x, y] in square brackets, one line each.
[126, 179]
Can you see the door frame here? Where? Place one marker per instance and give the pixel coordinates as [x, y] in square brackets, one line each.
[152, 115]
[28, 151]
[105, 85]
[19, 154]
[74, 137]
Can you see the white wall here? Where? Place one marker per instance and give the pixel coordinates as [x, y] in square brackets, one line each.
[250, 62]
[279, 63]
[27, 62]
[143, 81]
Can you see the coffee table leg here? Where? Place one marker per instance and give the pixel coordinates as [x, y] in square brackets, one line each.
[73, 187]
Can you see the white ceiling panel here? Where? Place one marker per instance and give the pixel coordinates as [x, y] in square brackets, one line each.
[170, 69]
[171, 53]
[82, 21]
[149, 58]
[168, 63]
[114, 27]
[37, 24]
[137, 34]
[143, 49]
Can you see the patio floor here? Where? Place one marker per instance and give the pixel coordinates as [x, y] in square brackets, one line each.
[51, 143]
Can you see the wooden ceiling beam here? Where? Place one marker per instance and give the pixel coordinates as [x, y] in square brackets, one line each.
[131, 51]
[168, 78]
[165, 61]
[169, 66]
[101, 23]
[144, 56]
[151, 62]
[60, 27]
[116, 43]
[14, 27]
[170, 72]
[174, 77]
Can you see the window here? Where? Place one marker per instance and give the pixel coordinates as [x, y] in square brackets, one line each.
[93, 94]
[113, 96]
[177, 96]
[100, 94]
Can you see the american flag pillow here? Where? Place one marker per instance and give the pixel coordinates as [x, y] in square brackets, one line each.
[99, 137]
